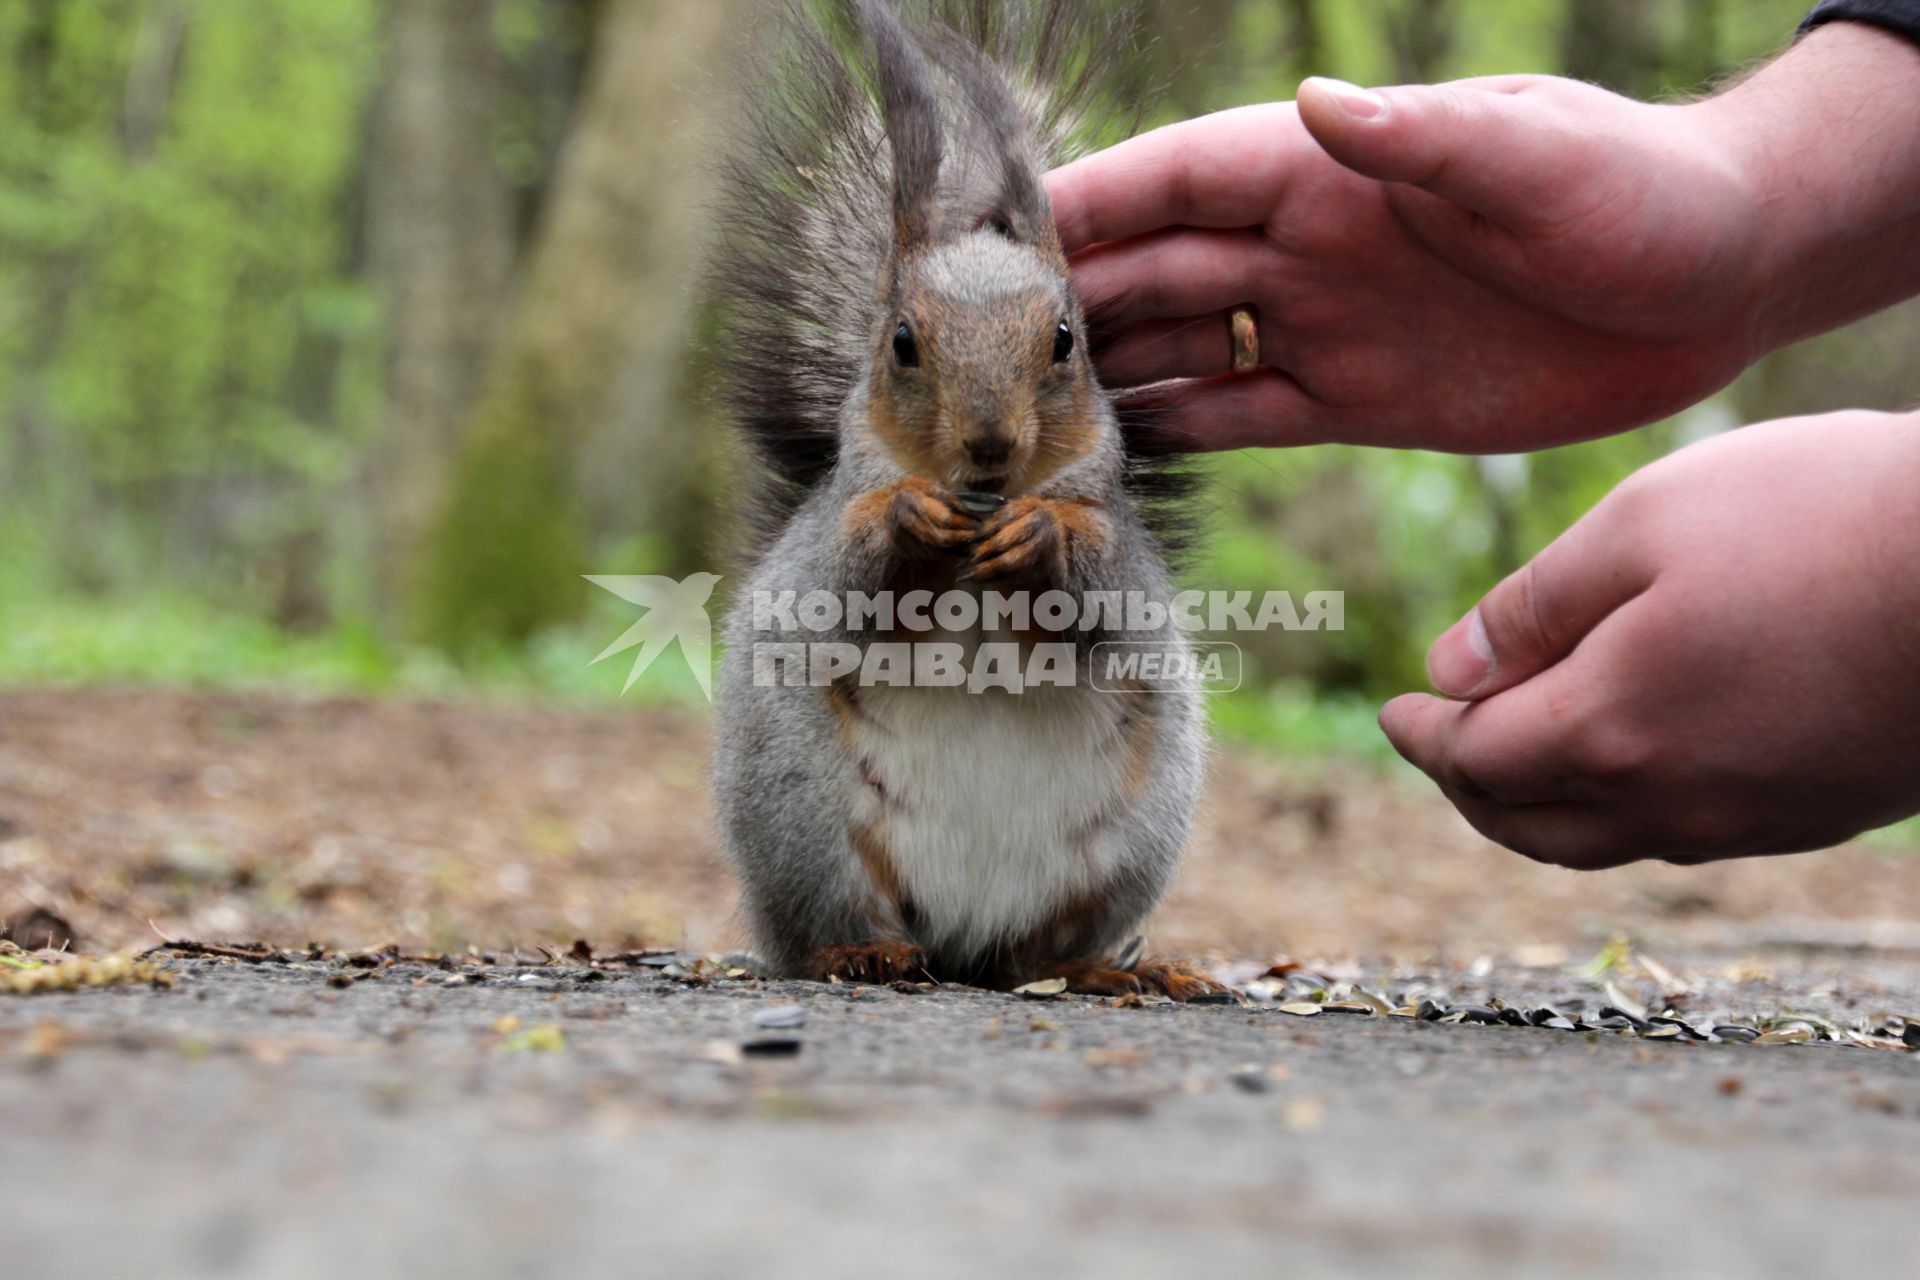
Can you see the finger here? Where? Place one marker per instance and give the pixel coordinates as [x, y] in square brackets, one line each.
[1262, 409]
[1539, 613]
[1158, 350]
[1221, 170]
[1173, 274]
[1487, 750]
[1494, 147]
[1576, 836]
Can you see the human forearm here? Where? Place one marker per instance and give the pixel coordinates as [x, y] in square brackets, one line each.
[1828, 135]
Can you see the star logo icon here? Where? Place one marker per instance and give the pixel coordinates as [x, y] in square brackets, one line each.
[675, 610]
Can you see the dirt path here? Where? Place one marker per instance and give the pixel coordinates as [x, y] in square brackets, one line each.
[314, 1118]
[359, 823]
[260, 1121]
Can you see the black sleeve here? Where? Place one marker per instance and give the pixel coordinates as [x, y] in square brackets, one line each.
[1902, 17]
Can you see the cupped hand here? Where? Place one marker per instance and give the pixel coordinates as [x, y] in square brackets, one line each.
[1721, 659]
[1482, 266]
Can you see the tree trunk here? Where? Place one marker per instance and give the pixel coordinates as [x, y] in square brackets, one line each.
[440, 244]
[598, 330]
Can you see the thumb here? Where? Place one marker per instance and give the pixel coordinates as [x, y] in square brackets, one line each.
[1536, 616]
[1486, 146]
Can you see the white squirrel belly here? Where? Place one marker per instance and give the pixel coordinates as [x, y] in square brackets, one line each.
[995, 803]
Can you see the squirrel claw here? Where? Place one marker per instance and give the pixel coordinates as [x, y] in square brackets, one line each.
[875, 962]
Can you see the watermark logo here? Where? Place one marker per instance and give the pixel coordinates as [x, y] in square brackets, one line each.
[675, 610]
[1154, 666]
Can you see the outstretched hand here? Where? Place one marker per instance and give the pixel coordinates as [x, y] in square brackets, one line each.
[1720, 659]
[1493, 265]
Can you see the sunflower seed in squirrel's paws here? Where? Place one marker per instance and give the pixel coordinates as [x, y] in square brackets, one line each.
[975, 503]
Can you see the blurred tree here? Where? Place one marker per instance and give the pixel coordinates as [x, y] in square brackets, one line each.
[602, 294]
[440, 246]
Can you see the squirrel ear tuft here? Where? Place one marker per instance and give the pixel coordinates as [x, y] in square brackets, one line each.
[911, 112]
[1018, 207]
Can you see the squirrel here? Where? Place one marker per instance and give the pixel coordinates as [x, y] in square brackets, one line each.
[906, 355]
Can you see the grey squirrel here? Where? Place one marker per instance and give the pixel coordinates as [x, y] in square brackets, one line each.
[905, 353]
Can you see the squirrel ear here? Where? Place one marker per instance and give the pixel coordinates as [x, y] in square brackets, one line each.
[997, 127]
[911, 113]
[1024, 214]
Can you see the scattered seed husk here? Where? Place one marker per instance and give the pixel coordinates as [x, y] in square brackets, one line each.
[781, 1017]
[1911, 1035]
[1372, 1001]
[1796, 1033]
[1736, 1033]
[1665, 1032]
[1346, 1006]
[1625, 1003]
[1301, 1008]
[1045, 988]
[1477, 1013]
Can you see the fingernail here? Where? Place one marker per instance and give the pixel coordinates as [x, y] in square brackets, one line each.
[1462, 659]
[1361, 104]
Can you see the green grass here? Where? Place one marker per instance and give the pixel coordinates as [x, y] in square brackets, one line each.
[175, 640]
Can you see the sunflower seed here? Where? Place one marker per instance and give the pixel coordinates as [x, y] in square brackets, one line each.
[1301, 1008]
[771, 1047]
[1736, 1033]
[1044, 987]
[1797, 1033]
[1251, 1079]
[973, 502]
[1480, 1013]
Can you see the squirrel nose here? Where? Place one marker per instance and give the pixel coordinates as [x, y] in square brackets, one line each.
[990, 453]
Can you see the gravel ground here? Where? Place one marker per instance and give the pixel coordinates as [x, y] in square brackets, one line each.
[296, 1120]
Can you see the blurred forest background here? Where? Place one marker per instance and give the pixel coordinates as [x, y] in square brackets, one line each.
[338, 338]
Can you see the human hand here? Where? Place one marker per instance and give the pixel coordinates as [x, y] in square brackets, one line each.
[1721, 659]
[1497, 264]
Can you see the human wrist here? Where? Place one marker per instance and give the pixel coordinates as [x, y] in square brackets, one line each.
[1822, 139]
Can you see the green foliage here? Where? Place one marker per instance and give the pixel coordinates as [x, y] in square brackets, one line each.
[191, 359]
[175, 310]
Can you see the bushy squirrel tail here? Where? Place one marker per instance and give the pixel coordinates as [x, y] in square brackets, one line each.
[955, 93]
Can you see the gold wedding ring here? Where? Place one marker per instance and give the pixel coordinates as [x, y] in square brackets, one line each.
[1244, 334]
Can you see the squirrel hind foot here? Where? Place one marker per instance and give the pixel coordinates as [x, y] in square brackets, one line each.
[874, 962]
[1098, 977]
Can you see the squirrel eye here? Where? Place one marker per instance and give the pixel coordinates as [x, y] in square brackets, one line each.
[1062, 342]
[906, 353]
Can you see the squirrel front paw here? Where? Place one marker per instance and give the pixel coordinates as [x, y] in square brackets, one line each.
[914, 518]
[883, 961]
[1034, 540]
